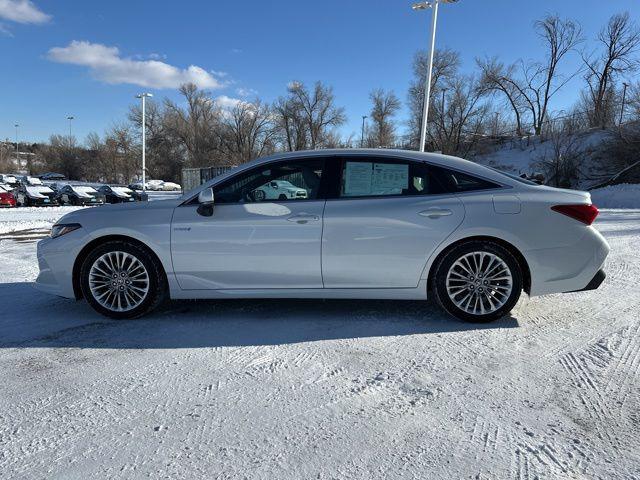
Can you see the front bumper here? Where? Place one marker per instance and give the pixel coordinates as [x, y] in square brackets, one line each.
[56, 257]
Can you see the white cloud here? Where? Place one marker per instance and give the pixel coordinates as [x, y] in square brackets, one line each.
[106, 64]
[22, 11]
[227, 103]
[246, 92]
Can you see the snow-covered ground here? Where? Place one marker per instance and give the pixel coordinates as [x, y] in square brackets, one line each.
[311, 389]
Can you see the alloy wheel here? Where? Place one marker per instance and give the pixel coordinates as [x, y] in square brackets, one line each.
[118, 281]
[479, 283]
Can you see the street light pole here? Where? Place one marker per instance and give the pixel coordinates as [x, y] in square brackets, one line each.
[427, 88]
[364, 117]
[70, 118]
[624, 98]
[144, 96]
[17, 152]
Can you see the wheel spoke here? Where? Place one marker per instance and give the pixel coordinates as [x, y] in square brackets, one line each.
[118, 281]
[479, 283]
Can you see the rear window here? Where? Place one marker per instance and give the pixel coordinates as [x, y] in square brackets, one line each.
[514, 177]
[456, 182]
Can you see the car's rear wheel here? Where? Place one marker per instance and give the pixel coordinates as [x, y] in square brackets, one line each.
[477, 281]
[121, 280]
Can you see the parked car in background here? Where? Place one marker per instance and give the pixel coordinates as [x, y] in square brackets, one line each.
[138, 185]
[28, 180]
[171, 187]
[7, 199]
[79, 195]
[115, 194]
[155, 185]
[34, 196]
[49, 176]
[8, 179]
[377, 224]
[279, 190]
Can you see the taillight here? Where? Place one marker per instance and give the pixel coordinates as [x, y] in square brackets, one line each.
[583, 213]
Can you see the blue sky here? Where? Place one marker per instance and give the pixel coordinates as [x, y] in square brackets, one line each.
[101, 49]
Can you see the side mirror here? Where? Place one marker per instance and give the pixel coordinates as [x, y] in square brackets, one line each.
[206, 201]
[205, 197]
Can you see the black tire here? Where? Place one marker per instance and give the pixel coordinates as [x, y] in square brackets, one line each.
[282, 197]
[444, 264]
[156, 294]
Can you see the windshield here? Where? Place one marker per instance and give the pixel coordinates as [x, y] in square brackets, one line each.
[34, 181]
[84, 189]
[121, 190]
[39, 190]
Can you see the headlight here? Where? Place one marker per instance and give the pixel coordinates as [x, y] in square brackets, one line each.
[62, 229]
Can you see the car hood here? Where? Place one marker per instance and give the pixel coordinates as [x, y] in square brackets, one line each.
[116, 211]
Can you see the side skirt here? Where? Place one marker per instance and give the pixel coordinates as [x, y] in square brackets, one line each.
[418, 293]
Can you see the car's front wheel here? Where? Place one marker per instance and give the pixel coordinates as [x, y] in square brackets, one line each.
[477, 281]
[121, 279]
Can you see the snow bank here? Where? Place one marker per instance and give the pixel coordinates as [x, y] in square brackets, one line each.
[27, 218]
[624, 195]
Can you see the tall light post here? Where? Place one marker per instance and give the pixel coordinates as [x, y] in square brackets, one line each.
[17, 152]
[427, 89]
[144, 96]
[70, 118]
[364, 117]
[624, 98]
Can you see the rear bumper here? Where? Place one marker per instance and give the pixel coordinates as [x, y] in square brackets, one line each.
[570, 268]
[595, 282]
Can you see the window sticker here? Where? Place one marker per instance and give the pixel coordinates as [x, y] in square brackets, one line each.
[357, 179]
[389, 178]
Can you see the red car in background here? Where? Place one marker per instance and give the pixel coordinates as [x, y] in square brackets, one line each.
[7, 199]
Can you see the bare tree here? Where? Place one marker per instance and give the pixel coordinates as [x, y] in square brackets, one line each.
[446, 63]
[196, 127]
[618, 40]
[460, 117]
[496, 77]
[541, 80]
[561, 163]
[248, 131]
[384, 108]
[306, 118]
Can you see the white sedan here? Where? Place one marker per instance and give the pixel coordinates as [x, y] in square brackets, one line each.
[279, 190]
[374, 224]
[171, 187]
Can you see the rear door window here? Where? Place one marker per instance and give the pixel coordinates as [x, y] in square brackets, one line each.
[375, 177]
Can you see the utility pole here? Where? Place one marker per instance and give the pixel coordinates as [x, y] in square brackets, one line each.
[364, 117]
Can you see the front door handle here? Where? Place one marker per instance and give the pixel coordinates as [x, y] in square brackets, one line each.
[303, 218]
[435, 213]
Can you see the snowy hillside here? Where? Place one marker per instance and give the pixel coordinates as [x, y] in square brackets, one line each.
[524, 155]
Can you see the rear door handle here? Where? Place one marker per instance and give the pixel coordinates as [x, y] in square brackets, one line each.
[435, 213]
[303, 218]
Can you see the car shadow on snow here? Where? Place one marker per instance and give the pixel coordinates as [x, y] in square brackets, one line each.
[39, 320]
